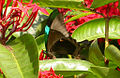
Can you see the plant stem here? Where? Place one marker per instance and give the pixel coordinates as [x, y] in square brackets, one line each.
[4, 76]
[106, 32]
[3, 36]
[107, 19]
[106, 37]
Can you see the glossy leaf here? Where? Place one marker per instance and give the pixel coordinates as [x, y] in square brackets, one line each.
[67, 67]
[41, 43]
[71, 4]
[19, 59]
[78, 16]
[90, 75]
[95, 55]
[105, 72]
[96, 29]
[113, 53]
[99, 3]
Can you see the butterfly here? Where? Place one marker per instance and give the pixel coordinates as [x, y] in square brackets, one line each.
[58, 40]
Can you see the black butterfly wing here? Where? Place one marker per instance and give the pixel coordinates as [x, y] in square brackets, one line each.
[58, 44]
[65, 46]
[57, 31]
[58, 39]
[58, 25]
[53, 37]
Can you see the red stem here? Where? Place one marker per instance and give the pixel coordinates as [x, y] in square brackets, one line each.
[35, 14]
[1, 7]
[8, 2]
[28, 21]
[11, 32]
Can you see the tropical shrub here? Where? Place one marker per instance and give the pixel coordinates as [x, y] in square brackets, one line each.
[94, 21]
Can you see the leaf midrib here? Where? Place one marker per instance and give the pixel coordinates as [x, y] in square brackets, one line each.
[18, 66]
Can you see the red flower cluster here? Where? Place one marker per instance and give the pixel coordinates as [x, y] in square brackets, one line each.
[88, 3]
[110, 9]
[43, 56]
[15, 17]
[71, 26]
[63, 11]
[49, 74]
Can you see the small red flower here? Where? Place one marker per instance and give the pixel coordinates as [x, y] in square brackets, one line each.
[118, 41]
[22, 8]
[43, 56]
[118, 68]
[63, 11]
[1, 71]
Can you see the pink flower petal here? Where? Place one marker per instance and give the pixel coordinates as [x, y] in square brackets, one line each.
[44, 11]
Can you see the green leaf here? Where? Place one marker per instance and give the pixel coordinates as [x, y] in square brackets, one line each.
[40, 28]
[119, 4]
[66, 67]
[41, 43]
[49, 10]
[113, 53]
[99, 3]
[95, 55]
[78, 16]
[71, 4]
[1, 75]
[105, 72]
[73, 12]
[90, 75]
[96, 29]
[19, 59]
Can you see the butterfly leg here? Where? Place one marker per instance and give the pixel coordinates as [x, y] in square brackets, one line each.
[51, 55]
